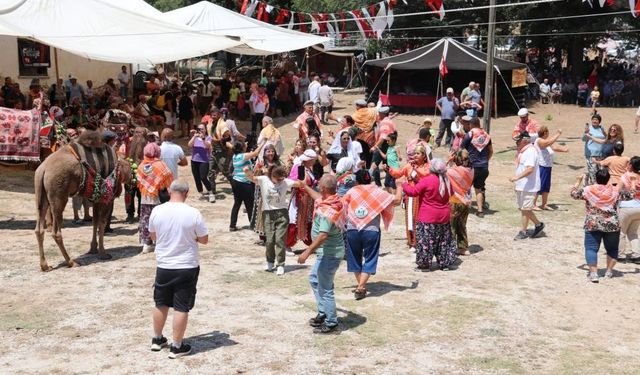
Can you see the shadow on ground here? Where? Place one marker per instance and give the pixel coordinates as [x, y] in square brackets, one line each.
[351, 320]
[117, 253]
[210, 341]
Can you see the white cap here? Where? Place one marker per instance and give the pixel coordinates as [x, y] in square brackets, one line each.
[361, 102]
[449, 90]
[308, 155]
[523, 112]
[383, 110]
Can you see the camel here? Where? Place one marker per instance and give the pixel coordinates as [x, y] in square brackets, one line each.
[61, 176]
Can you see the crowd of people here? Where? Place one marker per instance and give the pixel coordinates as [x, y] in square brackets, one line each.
[326, 189]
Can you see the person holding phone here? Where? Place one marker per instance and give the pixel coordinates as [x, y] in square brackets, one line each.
[200, 144]
[592, 148]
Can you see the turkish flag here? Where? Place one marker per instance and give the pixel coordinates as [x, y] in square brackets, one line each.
[443, 67]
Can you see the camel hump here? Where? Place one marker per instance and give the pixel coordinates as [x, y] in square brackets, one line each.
[101, 159]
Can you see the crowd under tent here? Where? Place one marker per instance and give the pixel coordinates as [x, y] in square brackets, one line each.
[412, 81]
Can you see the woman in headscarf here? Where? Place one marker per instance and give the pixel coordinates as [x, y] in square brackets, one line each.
[601, 223]
[271, 134]
[301, 206]
[345, 175]
[461, 178]
[153, 175]
[268, 159]
[433, 228]
[367, 205]
[341, 147]
[417, 168]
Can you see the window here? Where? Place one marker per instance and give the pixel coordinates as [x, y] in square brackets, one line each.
[33, 58]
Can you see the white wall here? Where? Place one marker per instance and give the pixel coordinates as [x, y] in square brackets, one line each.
[84, 69]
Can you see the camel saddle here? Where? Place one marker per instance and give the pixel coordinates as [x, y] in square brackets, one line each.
[99, 172]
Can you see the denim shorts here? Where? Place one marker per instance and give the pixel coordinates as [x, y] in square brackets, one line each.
[363, 248]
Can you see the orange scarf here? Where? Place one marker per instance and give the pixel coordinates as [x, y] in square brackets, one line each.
[411, 171]
[479, 139]
[332, 209]
[628, 184]
[365, 202]
[461, 179]
[365, 119]
[153, 176]
[603, 197]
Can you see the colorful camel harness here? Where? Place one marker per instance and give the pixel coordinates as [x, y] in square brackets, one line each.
[94, 186]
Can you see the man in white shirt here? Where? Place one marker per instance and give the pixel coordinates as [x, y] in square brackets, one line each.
[545, 91]
[171, 153]
[314, 88]
[124, 78]
[527, 184]
[205, 95]
[325, 98]
[177, 229]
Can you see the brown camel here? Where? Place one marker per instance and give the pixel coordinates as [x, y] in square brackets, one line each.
[61, 176]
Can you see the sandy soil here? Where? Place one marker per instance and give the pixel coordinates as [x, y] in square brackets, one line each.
[511, 307]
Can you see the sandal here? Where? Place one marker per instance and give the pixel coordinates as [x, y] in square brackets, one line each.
[360, 293]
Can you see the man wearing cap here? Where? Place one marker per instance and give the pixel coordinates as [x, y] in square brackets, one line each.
[365, 119]
[301, 121]
[448, 106]
[478, 143]
[526, 124]
[259, 102]
[527, 184]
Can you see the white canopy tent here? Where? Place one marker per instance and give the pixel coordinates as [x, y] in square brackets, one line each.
[108, 30]
[259, 38]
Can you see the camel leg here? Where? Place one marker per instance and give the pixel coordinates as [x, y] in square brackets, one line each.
[41, 227]
[100, 212]
[57, 208]
[94, 239]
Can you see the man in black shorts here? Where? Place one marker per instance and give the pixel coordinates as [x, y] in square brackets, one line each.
[478, 143]
[176, 228]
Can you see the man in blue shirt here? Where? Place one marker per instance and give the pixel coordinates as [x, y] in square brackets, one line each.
[448, 106]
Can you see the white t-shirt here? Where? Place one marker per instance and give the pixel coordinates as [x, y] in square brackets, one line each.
[314, 88]
[545, 155]
[171, 153]
[638, 112]
[258, 105]
[124, 77]
[177, 227]
[531, 183]
[274, 197]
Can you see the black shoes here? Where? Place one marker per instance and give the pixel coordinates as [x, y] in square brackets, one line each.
[158, 343]
[184, 349]
[317, 321]
[537, 229]
[324, 329]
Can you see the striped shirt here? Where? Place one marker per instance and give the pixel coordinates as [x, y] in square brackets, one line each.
[238, 168]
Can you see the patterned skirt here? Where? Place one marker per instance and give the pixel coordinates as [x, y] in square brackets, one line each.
[434, 240]
[411, 205]
[143, 224]
[257, 221]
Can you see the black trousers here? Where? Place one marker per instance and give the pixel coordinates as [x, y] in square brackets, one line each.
[256, 121]
[200, 172]
[132, 193]
[242, 193]
[445, 126]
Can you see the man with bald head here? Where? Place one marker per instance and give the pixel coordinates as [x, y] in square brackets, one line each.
[171, 153]
[328, 245]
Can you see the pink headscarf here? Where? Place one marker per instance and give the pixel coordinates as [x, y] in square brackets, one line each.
[152, 151]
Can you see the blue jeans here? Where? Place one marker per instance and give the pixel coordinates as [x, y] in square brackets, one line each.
[363, 245]
[592, 241]
[124, 90]
[321, 280]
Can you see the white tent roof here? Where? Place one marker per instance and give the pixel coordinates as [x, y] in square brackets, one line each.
[260, 38]
[108, 30]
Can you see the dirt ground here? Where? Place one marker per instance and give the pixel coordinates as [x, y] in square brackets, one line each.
[510, 308]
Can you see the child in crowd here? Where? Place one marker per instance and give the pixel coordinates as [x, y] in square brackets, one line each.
[273, 189]
[393, 161]
[616, 164]
[595, 98]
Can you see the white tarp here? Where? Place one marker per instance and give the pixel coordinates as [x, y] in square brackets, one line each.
[108, 30]
[260, 38]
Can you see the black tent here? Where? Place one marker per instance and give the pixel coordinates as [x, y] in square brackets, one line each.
[462, 62]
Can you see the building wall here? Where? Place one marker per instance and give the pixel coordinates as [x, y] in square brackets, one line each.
[84, 69]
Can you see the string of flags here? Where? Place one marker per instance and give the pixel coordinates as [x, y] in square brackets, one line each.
[634, 5]
[371, 21]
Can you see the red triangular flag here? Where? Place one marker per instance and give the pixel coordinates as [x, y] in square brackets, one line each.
[443, 67]
[303, 27]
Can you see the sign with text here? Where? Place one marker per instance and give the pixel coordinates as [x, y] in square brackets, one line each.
[33, 54]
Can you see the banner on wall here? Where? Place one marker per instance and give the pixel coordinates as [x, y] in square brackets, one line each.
[519, 77]
[33, 54]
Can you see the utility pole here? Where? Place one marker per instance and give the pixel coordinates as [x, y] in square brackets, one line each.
[488, 81]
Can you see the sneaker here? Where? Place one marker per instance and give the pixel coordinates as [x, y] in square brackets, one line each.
[280, 271]
[324, 329]
[317, 321]
[212, 198]
[593, 277]
[158, 343]
[268, 267]
[480, 214]
[359, 294]
[147, 248]
[608, 274]
[184, 349]
[521, 236]
[233, 229]
[538, 228]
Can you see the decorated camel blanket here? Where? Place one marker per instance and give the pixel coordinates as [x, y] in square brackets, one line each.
[19, 134]
[99, 172]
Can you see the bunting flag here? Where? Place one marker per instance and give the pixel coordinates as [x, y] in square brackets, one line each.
[243, 8]
[443, 61]
[380, 21]
[291, 21]
[437, 6]
[303, 27]
[391, 5]
[333, 27]
[281, 16]
[634, 5]
[314, 23]
[343, 25]
[260, 11]
[251, 8]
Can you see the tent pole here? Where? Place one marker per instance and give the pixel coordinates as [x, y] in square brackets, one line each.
[495, 97]
[306, 56]
[351, 75]
[388, 83]
[488, 84]
[55, 59]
